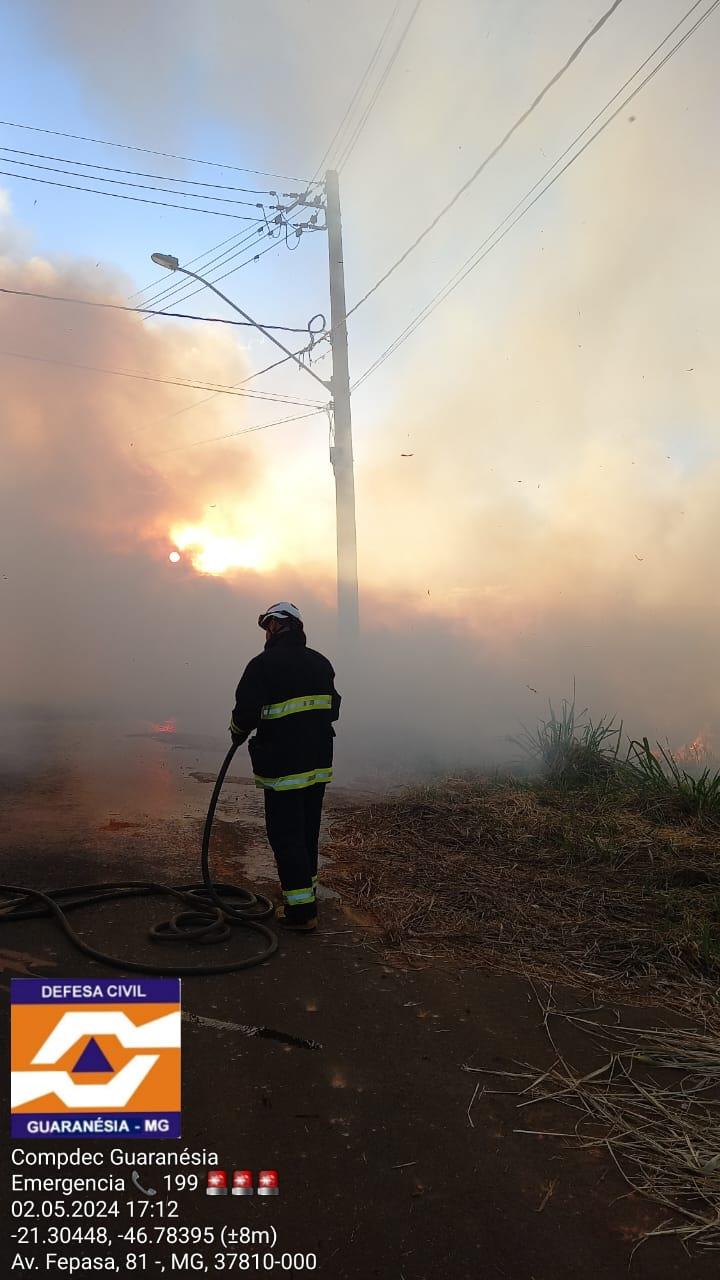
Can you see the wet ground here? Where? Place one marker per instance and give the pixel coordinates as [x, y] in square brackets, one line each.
[391, 1164]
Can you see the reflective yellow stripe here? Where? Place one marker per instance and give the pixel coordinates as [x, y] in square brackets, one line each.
[311, 702]
[234, 728]
[294, 781]
[295, 897]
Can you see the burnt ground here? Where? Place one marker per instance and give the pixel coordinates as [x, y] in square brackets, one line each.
[385, 1168]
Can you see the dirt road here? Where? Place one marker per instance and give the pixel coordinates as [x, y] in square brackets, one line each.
[391, 1163]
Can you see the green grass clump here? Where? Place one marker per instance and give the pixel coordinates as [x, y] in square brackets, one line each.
[574, 751]
[662, 776]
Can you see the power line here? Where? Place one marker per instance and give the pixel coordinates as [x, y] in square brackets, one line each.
[490, 156]
[193, 292]
[245, 244]
[359, 89]
[248, 240]
[170, 286]
[189, 263]
[215, 279]
[482, 251]
[188, 408]
[350, 146]
[159, 279]
[172, 315]
[236, 247]
[188, 384]
[136, 173]
[119, 195]
[262, 426]
[165, 204]
[148, 151]
[122, 182]
[177, 288]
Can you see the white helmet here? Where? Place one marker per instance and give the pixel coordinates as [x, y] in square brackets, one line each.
[282, 610]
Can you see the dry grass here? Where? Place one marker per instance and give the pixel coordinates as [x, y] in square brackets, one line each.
[652, 1103]
[533, 879]
[587, 887]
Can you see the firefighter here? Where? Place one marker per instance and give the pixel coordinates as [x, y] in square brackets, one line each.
[287, 694]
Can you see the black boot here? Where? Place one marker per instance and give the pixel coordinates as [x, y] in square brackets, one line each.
[300, 919]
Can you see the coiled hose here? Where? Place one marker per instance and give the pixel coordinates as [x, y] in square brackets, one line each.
[211, 911]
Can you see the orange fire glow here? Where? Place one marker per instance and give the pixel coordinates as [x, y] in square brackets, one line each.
[698, 751]
[167, 726]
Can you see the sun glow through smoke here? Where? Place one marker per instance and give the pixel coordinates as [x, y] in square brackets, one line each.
[219, 553]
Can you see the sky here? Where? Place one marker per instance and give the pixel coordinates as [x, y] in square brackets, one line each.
[557, 517]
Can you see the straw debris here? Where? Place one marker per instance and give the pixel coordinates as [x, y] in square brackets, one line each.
[663, 1134]
[535, 879]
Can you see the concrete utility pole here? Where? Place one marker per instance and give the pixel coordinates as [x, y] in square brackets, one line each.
[341, 452]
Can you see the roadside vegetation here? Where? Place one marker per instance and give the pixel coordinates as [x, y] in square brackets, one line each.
[602, 866]
[572, 751]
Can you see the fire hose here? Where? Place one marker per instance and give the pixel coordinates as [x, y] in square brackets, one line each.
[210, 911]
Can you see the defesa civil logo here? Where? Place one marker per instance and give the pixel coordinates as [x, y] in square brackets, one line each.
[95, 1059]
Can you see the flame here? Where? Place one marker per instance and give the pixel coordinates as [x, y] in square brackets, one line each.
[695, 752]
[167, 726]
[216, 552]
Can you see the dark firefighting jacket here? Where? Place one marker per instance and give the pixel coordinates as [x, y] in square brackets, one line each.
[287, 694]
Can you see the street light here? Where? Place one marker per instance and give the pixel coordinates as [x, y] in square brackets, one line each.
[165, 260]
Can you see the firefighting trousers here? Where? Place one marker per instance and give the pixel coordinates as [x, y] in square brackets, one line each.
[292, 821]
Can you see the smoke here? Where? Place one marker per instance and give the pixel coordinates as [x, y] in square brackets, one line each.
[558, 517]
[88, 590]
[240, 59]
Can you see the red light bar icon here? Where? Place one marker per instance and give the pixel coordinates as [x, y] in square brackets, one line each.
[268, 1183]
[242, 1183]
[216, 1183]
